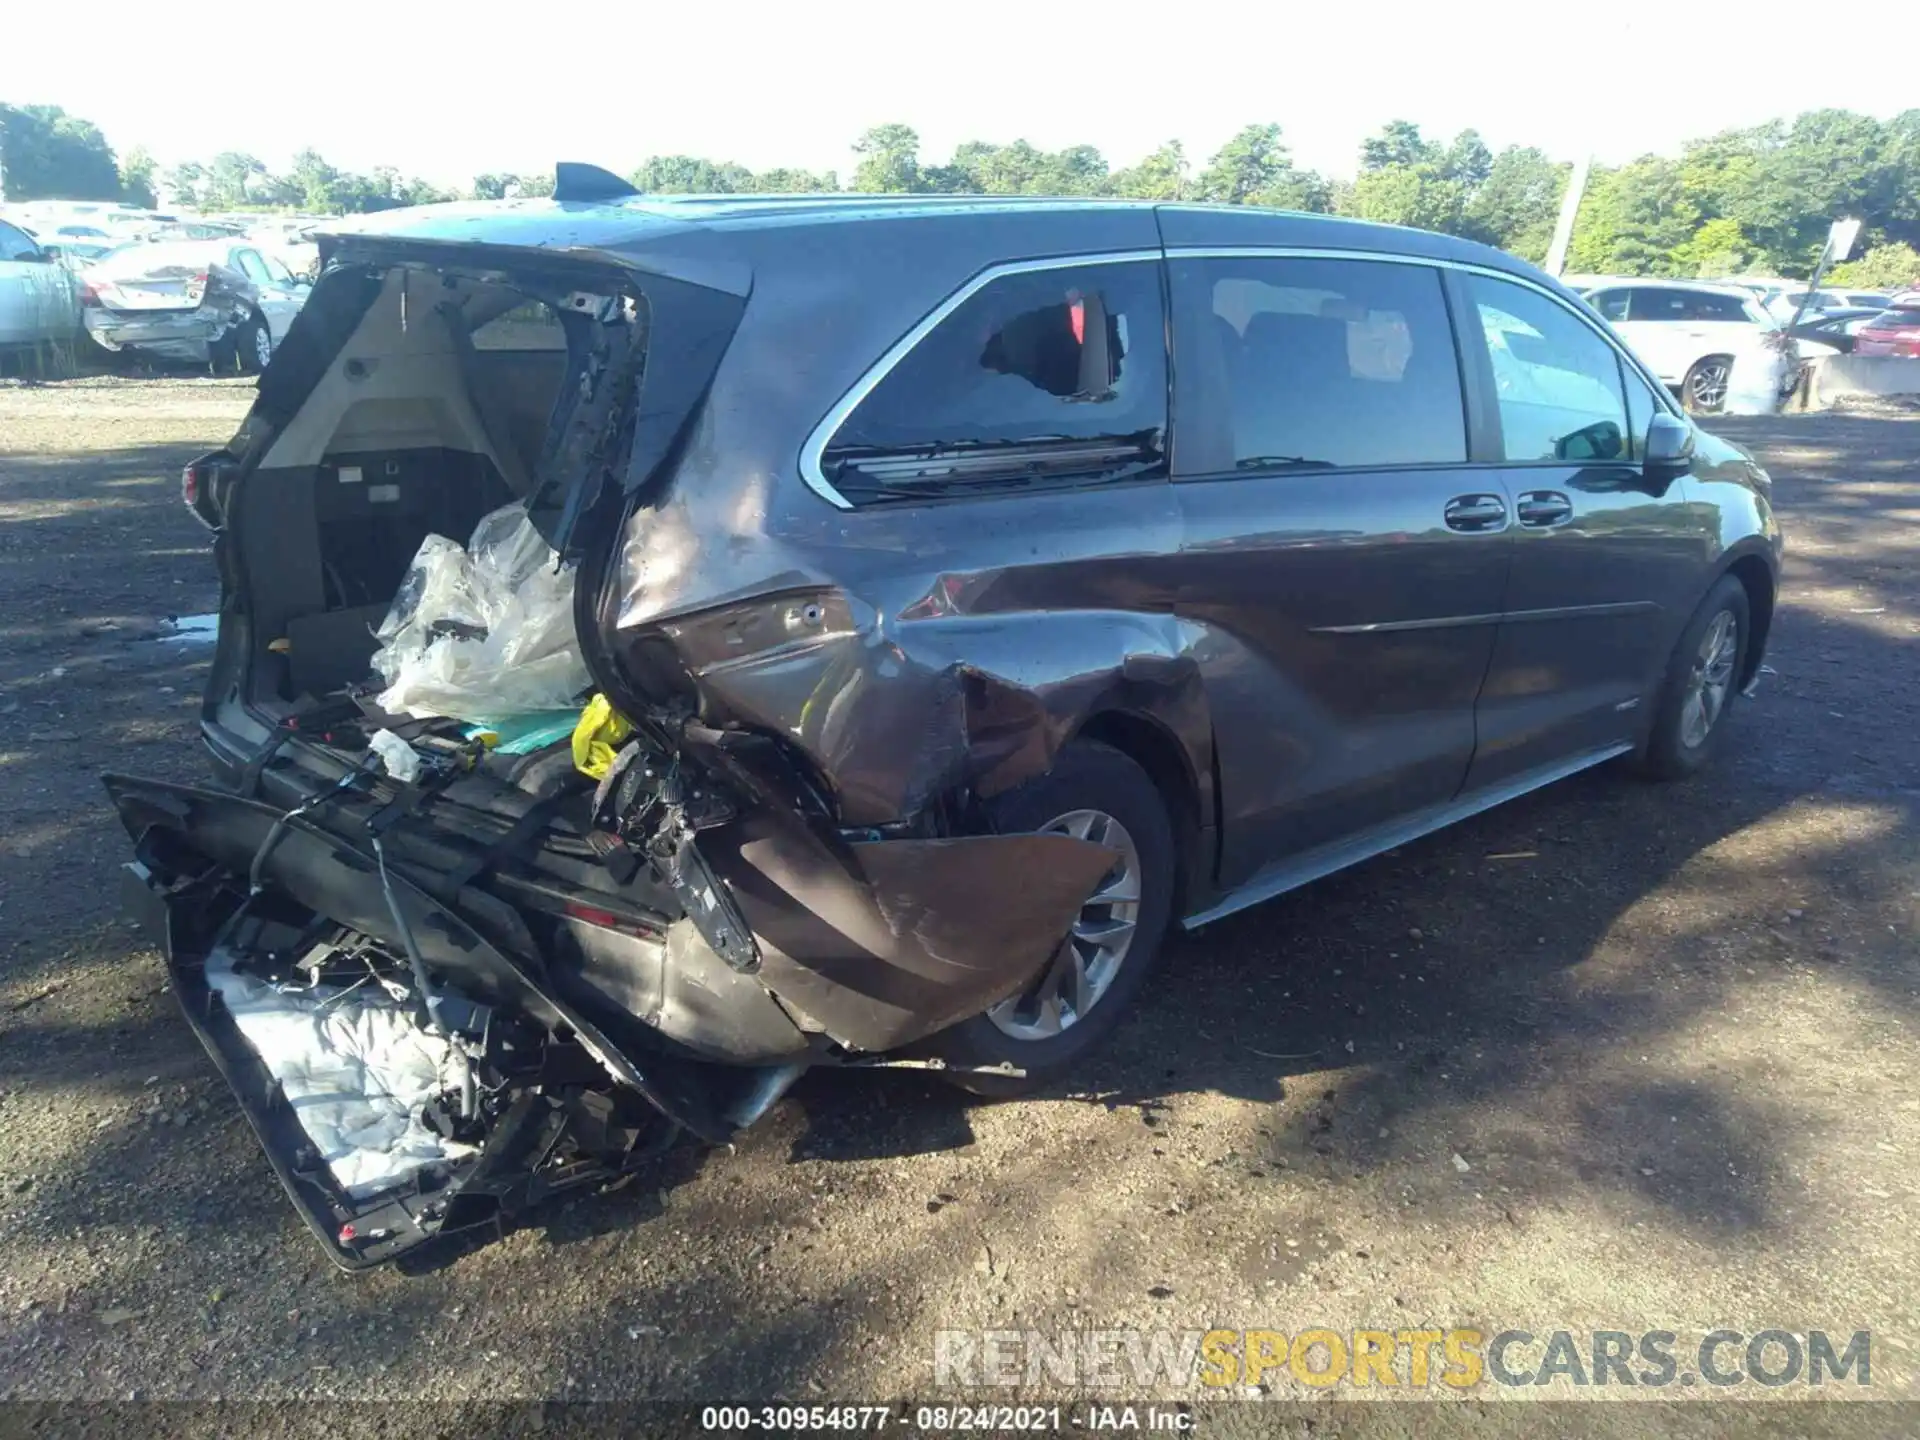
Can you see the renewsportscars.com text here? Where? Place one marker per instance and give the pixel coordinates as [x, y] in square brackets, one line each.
[1460, 1358]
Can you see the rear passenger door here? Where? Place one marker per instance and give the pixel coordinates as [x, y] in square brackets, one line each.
[1344, 561]
[1605, 564]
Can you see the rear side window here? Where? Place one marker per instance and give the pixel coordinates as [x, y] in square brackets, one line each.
[254, 266]
[1054, 376]
[1291, 363]
[1612, 304]
[1689, 305]
[1557, 381]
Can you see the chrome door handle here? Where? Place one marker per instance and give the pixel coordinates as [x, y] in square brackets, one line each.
[1473, 513]
[1543, 509]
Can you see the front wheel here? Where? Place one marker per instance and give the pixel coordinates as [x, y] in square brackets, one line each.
[1701, 682]
[1093, 792]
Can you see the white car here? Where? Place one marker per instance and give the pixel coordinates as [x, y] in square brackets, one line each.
[1691, 332]
[39, 300]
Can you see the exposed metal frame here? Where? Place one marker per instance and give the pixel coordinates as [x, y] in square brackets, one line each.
[813, 451]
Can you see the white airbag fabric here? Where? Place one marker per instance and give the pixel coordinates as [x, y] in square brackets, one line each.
[356, 1070]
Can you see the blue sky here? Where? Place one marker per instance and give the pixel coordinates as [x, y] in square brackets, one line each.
[445, 92]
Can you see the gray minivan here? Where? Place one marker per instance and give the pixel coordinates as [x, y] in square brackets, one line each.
[977, 587]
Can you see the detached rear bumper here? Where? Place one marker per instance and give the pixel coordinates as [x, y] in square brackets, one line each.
[617, 1041]
[176, 334]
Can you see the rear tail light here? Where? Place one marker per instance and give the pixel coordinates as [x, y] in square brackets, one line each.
[196, 287]
[89, 293]
[197, 491]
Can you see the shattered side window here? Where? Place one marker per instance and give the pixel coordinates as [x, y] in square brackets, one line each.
[1046, 375]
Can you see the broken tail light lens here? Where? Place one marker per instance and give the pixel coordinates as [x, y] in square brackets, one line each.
[199, 492]
[197, 287]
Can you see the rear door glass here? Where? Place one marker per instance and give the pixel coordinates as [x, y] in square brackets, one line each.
[1302, 363]
[1042, 376]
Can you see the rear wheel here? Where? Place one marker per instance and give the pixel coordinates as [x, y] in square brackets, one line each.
[1704, 391]
[1096, 793]
[1702, 678]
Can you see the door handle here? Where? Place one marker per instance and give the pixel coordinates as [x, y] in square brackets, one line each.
[1476, 513]
[1543, 509]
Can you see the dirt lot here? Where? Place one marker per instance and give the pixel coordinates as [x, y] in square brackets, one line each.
[1615, 1056]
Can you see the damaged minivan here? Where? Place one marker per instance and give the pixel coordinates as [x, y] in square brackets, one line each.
[670, 644]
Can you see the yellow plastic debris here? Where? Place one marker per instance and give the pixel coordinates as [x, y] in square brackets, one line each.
[598, 736]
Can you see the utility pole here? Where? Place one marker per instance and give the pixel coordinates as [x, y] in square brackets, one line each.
[1556, 260]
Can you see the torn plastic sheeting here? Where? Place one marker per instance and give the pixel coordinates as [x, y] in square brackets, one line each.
[482, 633]
[355, 1070]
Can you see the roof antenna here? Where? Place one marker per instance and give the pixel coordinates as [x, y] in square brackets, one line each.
[573, 180]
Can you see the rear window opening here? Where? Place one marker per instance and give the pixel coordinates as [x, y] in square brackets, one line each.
[442, 406]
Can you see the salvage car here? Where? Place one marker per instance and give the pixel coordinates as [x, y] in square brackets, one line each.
[39, 301]
[952, 594]
[211, 302]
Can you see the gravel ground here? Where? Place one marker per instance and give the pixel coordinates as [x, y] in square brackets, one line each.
[1614, 1056]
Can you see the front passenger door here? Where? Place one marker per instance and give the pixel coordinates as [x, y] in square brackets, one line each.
[1605, 564]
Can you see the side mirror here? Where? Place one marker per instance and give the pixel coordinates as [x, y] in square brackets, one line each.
[48, 254]
[1669, 448]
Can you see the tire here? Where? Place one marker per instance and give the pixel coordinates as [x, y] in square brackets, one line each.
[1704, 390]
[1087, 778]
[252, 345]
[1677, 746]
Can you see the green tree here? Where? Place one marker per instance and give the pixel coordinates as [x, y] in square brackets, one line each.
[186, 183]
[1893, 266]
[690, 175]
[1161, 176]
[1515, 206]
[56, 156]
[137, 178]
[232, 178]
[1255, 168]
[1414, 195]
[1398, 145]
[1717, 248]
[889, 160]
[1467, 160]
[1633, 219]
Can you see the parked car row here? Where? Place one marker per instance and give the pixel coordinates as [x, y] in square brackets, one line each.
[1694, 332]
[225, 301]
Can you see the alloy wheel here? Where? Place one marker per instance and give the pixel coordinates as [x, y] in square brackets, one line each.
[1707, 385]
[1088, 961]
[262, 346]
[1710, 680]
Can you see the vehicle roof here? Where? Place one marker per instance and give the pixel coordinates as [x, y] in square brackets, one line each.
[1718, 287]
[1018, 224]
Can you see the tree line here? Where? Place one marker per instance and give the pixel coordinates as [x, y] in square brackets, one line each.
[1756, 200]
